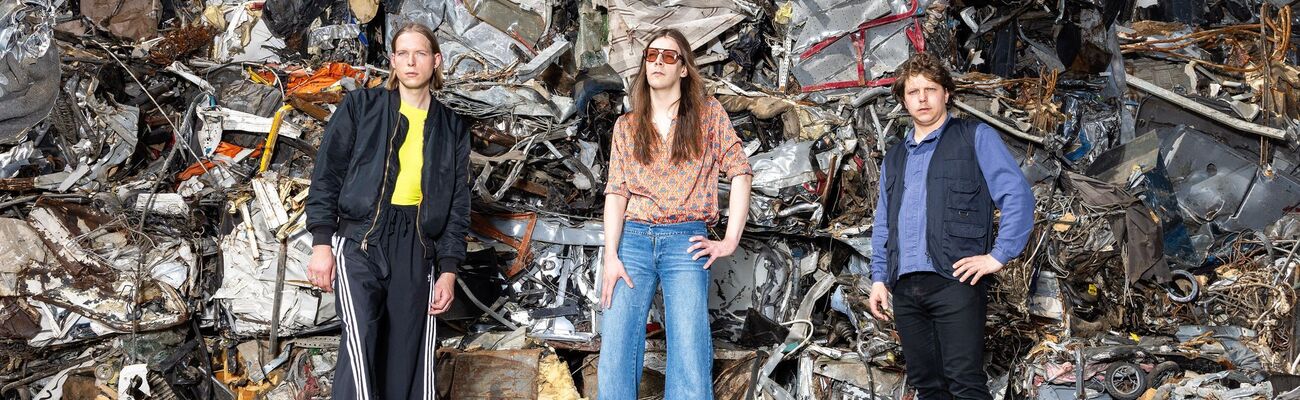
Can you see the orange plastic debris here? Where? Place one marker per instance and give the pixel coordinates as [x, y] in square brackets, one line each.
[324, 77]
[225, 151]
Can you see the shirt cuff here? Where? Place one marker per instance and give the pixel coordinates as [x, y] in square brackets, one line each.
[1001, 256]
[322, 235]
[448, 265]
[879, 276]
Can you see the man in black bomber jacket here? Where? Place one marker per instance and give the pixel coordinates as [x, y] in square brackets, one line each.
[389, 204]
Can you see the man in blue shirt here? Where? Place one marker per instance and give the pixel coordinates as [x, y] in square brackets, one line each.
[933, 240]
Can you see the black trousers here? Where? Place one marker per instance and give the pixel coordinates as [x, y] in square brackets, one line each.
[386, 351]
[941, 324]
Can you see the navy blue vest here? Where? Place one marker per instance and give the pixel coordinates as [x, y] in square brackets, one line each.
[959, 208]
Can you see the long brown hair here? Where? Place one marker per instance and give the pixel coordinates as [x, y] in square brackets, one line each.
[689, 144]
[436, 82]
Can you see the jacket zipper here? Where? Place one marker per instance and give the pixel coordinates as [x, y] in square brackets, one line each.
[383, 185]
[419, 232]
[420, 206]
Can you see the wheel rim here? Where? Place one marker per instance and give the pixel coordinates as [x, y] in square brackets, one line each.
[1125, 379]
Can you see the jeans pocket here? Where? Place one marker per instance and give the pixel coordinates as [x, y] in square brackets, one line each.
[674, 255]
[635, 251]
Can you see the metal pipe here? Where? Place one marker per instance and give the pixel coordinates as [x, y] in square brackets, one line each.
[866, 95]
[1079, 392]
[280, 262]
[469, 294]
[269, 148]
[1206, 111]
[997, 123]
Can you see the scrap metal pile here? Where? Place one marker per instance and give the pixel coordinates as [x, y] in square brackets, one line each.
[154, 161]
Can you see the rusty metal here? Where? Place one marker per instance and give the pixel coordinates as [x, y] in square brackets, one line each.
[181, 43]
[736, 378]
[480, 224]
[532, 188]
[300, 102]
[17, 184]
[322, 97]
[503, 374]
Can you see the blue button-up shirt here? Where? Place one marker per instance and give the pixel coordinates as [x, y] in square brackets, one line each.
[1007, 185]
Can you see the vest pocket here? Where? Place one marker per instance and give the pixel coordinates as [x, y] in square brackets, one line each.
[961, 193]
[959, 185]
[964, 230]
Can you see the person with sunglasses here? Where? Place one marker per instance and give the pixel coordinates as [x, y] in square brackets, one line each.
[666, 158]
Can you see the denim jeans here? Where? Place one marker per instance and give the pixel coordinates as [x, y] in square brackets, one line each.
[655, 256]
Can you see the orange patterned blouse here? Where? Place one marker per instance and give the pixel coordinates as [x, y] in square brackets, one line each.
[666, 193]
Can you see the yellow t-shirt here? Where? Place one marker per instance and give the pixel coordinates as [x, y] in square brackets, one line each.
[410, 157]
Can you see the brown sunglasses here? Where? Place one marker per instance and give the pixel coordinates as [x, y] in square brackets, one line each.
[669, 56]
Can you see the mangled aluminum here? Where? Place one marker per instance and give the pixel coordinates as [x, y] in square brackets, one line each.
[271, 238]
[631, 21]
[758, 276]
[26, 28]
[246, 38]
[29, 69]
[554, 271]
[846, 45]
[63, 274]
[469, 37]
[174, 153]
[132, 19]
